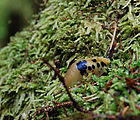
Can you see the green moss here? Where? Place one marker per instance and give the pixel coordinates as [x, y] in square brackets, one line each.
[66, 29]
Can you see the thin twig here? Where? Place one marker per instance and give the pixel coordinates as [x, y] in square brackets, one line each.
[114, 34]
[89, 51]
[111, 95]
[116, 12]
[130, 57]
[61, 78]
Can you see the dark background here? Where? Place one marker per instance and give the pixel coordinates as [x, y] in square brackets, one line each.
[14, 16]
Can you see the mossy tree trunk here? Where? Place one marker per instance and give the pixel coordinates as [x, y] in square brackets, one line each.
[70, 29]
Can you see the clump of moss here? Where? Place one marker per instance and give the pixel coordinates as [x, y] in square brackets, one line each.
[66, 30]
